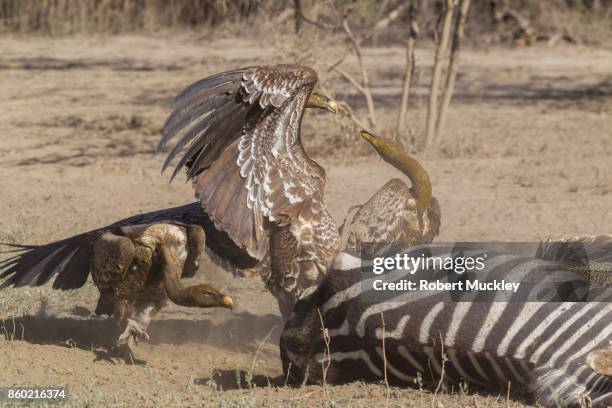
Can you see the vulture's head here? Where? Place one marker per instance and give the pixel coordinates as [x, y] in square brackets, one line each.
[395, 155]
[320, 101]
[205, 295]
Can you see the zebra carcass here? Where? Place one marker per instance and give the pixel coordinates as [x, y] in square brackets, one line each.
[537, 339]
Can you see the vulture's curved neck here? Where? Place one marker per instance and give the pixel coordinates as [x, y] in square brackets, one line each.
[177, 293]
[419, 177]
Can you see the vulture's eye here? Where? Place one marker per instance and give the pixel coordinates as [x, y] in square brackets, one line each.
[208, 295]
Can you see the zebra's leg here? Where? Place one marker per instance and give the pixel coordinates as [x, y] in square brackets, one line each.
[574, 386]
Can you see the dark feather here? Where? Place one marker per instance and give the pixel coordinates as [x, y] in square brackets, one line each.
[217, 129]
[225, 134]
[179, 119]
[69, 259]
[203, 85]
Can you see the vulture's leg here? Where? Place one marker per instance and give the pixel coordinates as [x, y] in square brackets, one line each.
[123, 312]
[108, 303]
[138, 324]
[282, 280]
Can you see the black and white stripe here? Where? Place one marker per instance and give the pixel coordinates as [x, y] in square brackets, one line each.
[537, 346]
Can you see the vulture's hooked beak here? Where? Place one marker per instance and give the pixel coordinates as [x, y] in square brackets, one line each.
[386, 148]
[228, 302]
[320, 101]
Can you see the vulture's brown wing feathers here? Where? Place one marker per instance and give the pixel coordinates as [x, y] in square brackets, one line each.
[69, 259]
[245, 156]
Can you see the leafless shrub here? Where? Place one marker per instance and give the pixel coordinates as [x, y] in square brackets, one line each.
[384, 353]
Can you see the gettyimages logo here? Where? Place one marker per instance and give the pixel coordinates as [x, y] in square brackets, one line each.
[412, 264]
[479, 271]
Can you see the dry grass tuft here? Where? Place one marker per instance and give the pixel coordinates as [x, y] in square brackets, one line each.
[12, 234]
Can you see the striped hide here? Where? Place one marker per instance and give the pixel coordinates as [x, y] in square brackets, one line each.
[538, 347]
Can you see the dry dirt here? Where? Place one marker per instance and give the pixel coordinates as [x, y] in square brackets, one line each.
[527, 155]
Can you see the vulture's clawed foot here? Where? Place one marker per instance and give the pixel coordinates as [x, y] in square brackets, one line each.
[132, 333]
[125, 354]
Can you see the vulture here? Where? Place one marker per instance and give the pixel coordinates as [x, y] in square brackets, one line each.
[396, 213]
[136, 264]
[260, 196]
[241, 146]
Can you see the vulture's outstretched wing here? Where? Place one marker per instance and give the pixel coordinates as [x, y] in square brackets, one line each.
[70, 258]
[241, 134]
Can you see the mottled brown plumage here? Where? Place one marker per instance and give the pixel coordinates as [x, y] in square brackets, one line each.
[136, 263]
[243, 152]
[138, 268]
[396, 212]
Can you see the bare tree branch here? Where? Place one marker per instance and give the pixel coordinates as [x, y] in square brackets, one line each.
[352, 80]
[452, 69]
[318, 24]
[346, 110]
[365, 85]
[341, 59]
[432, 110]
[384, 23]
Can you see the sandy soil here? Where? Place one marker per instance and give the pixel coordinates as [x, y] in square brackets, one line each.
[527, 155]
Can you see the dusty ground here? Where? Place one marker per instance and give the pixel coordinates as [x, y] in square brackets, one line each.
[528, 154]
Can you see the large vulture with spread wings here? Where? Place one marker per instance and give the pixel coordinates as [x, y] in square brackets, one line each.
[240, 133]
[260, 196]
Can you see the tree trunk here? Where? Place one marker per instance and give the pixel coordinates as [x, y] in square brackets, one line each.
[432, 111]
[452, 70]
[298, 15]
[408, 72]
